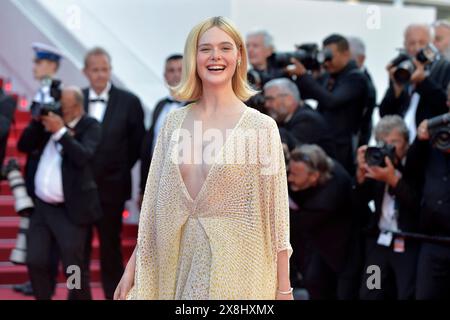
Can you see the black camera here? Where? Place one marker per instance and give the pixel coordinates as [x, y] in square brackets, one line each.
[439, 130]
[405, 65]
[375, 155]
[308, 54]
[43, 109]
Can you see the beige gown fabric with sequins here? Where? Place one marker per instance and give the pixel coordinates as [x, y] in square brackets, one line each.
[224, 243]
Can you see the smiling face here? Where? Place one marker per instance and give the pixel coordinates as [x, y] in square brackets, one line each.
[217, 57]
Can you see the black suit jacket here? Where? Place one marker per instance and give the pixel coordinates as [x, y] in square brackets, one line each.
[79, 188]
[147, 142]
[434, 165]
[325, 218]
[365, 127]
[120, 144]
[432, 101]
[342, 106]
[309, 127]
[7, 108]
[407, 193]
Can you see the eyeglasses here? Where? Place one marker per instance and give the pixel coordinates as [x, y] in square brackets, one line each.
[271, 98]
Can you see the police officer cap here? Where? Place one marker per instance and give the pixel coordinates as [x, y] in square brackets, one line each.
[46, 52]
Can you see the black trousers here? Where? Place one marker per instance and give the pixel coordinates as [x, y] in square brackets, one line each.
[433, 272]
[321, 280]
[398, 271]
[50, 225]
[109, 229]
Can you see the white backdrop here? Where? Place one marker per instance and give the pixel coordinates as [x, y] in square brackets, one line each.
[140, 33]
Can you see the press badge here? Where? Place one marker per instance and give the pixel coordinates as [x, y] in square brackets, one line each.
[399, 245]
[385, 239]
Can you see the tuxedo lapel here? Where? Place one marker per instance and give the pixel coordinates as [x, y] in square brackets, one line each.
[110, 108]
[86, 100]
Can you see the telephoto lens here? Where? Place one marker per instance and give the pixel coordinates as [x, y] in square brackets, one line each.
[24, 207]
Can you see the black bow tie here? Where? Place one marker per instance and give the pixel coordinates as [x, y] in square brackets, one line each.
[97, 100]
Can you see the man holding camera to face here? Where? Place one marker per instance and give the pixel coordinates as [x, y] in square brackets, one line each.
[341, 92]
[431, 157]
[384, 176]
[66, 198]
[418, 78]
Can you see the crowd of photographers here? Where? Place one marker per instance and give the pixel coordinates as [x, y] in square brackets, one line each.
[367, 222]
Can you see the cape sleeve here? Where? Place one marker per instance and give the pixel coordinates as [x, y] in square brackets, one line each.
[146, 278]
[278, 202]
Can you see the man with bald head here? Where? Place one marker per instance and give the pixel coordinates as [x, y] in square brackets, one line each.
[65, 193]
[424, 95]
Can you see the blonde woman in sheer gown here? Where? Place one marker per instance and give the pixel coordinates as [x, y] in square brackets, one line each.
[217, 228]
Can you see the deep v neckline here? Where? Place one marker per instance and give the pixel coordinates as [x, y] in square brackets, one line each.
[219, 154]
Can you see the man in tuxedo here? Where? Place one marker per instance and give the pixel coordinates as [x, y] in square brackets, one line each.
[395, 189]
[320, 188]
[298, 122]
[342, 95]
[121, 117]
[66, 198]
[424, 96]
[7, 108]
[172, 76]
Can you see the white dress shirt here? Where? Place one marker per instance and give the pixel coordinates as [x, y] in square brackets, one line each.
[162, 117]
[48, 179]
[388, 219]
[43, 95]
[97, 109]
[410, 116]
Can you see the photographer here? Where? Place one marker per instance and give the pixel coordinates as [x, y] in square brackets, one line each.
[300, 121]
[47, 60]
[431, 154]
[7, 109]
[416, 88]
[261, 55]
[385, 176]
[321, 189]
[66, 199]
[342, 94]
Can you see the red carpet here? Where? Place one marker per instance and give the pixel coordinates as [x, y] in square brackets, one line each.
[9, 223]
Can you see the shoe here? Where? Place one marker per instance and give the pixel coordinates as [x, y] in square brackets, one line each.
[27, 289]
[24, 288]
[20, 287]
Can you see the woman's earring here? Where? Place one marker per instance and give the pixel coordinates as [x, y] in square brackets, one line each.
[239, 62]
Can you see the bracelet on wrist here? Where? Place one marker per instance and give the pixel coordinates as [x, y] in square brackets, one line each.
[286, 292]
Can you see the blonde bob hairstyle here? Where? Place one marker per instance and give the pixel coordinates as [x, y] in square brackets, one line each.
[190, 87]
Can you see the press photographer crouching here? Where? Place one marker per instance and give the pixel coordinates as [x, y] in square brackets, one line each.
[341, 92]
[384, 175]
[431, 152]
[298, 122]
[66, 200]
[320, 188]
